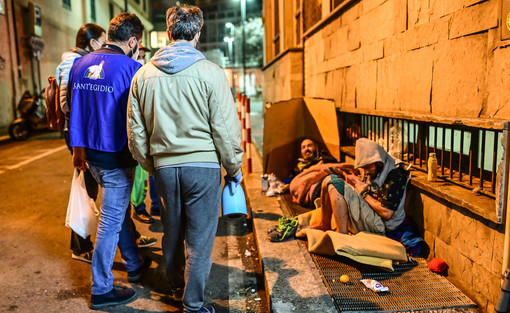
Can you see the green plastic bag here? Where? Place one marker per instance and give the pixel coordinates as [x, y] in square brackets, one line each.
[140, 186]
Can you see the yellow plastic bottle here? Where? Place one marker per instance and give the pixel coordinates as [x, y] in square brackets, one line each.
[432, 167]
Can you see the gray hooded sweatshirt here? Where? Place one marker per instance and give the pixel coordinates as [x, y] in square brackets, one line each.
[181, 111]
[369, 152]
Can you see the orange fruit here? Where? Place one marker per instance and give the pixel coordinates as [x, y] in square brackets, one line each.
[344, 279]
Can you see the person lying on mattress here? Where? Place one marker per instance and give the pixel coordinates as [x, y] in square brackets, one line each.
[351, 204]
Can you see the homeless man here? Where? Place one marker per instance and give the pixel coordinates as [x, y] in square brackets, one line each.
[311, 155]
[182, 123]
[349, 204]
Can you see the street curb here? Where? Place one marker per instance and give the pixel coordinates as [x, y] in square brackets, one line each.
[292, 281]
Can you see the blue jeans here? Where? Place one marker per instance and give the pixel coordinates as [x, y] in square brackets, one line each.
[114, 227]
[154, 197]
[189, 211]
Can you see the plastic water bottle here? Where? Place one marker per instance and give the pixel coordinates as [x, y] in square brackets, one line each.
[432, 167]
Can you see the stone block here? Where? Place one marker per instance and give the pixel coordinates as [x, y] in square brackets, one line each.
[369, 5]
[348, 59]
[388, 82]
[436, 9]
[353, 35]
[416, 82]
[458, 89]
[366, 86]
[349, 95]
[437, 219]
[472, 238]
[338, 43]
[374, 51]
[418, 12]
[283, 79]
[451, 6]
[395, 44]
[474, 19]
[335, 85]
[384, 21]
[353, 13]
[460, 268]
[497, 253]
[486, 284]
[498, 80]
[404, 81]
[427, 34]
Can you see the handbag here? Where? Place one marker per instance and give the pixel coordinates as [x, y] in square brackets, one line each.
[81, 209]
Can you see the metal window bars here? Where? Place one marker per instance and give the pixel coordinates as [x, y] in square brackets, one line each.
[467, 156]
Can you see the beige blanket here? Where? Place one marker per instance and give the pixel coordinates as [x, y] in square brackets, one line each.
[363, 247]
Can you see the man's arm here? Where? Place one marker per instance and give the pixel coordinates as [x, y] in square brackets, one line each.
[225, 126]
[385, 213]
[138, 140]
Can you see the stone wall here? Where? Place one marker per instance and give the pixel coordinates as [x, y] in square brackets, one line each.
[441, 57]
[283, 80]
[471, 246]
[412, 56]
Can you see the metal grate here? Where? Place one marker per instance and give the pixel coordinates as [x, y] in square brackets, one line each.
[412, 287]
[467, 156]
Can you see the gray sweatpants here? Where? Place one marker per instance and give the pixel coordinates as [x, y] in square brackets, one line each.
[190, 201]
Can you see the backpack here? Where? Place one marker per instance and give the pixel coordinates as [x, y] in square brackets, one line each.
[54, 112]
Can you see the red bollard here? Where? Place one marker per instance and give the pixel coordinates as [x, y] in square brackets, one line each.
[243, 121]
[238, 103]
[248, 135]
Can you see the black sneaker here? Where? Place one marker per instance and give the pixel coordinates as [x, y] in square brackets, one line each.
[135, 275]
[115, 297]
[143, 217]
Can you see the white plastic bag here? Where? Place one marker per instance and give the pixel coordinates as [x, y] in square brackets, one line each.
[81, 216]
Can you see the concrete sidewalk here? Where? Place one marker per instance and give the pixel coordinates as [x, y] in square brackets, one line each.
[293, 283]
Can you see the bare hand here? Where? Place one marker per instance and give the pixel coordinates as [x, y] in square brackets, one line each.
[79, 159]
[355, 181]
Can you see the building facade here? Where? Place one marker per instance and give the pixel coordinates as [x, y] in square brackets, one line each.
[51, 31]
[428, 60]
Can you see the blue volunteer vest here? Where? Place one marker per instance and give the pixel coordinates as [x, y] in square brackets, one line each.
[99, 88]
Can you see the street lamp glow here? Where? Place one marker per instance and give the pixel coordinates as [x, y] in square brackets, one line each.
[229, 25]
[228, 39]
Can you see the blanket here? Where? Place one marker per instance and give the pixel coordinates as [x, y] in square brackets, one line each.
[363, 247]
[303, 185]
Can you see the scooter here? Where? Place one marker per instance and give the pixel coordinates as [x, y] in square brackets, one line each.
[32, 110]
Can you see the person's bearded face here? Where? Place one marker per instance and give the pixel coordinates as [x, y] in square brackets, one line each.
[373, 169]
[308, 149]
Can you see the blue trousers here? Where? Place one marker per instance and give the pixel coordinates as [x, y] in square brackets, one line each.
[114, 228]
[190, 206]
[154, 197]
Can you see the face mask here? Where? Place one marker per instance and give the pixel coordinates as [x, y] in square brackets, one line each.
[133, 54]
[141, 61]
[97, 43]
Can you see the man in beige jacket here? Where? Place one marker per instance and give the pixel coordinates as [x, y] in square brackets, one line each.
[182, 123]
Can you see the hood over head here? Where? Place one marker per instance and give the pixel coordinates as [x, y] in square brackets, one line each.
[176, 57]
[368, 152]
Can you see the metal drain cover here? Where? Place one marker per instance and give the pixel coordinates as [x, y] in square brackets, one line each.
[412, 286]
